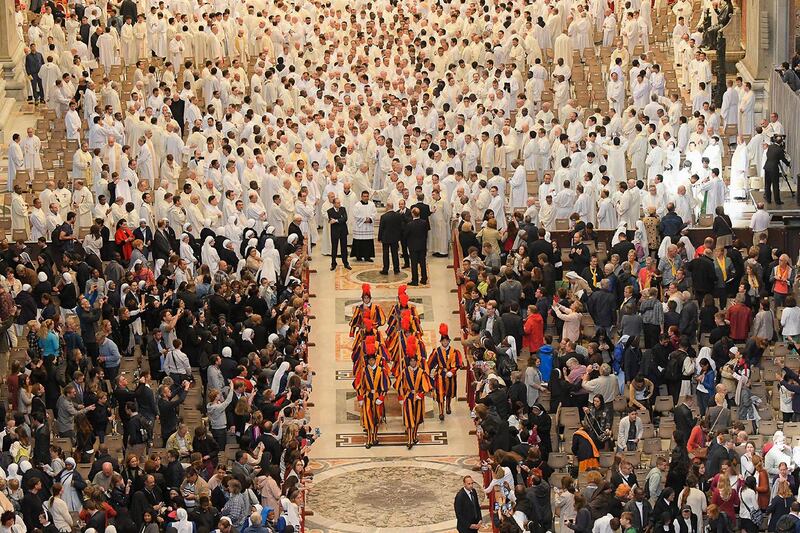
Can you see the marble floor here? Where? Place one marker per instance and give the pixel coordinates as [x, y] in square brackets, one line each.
[386, 488]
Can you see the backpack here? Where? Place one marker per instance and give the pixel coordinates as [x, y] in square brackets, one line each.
[674, 370]
[786, 524]
[650, 476]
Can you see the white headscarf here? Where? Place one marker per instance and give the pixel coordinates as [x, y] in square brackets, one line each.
[158, 267]
[271, 260]
[187, 254]
[622, 228]
[209, 255]
[276, 379]
[182, 524]
[512, 347]
[247, 334]
[232, 229]
[641, 236]
[687, 244]
[662, 250]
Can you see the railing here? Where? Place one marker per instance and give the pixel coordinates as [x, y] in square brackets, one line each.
[784, 101]
[470, 375]
[306, 279]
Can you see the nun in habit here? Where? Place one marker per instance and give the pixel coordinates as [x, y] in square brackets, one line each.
[227, 252]
[187, 252]
[209, 255]
[280, 379]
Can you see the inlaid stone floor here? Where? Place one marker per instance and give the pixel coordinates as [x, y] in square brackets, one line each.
[356, 490]
[398, 496]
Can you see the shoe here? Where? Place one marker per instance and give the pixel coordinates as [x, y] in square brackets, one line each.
[416, 441]
[441, 417]
[368, 446]
[409, 446]
[449, 411]
[414, 284]
[396, 271]
[348, 267]
[424, 282]
[406, 265]
[333, 267]
[778, 202]
[384, 272]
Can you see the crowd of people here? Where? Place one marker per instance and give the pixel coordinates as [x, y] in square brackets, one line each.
[221, 144]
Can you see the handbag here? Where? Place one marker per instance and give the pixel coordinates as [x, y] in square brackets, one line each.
[756, 515]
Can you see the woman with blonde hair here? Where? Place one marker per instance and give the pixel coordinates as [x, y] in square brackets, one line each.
[21, 448]
[725, 498]
[48, 340]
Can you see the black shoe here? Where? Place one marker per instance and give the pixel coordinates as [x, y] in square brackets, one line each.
[425, 282]
[396, 271]
[406, 265]
[414, 284]
[333, 267]
[368, 446]
[384, 272]
[441, 417]
[409, 446]
[448, 410]
[348, 267]
[778, 202]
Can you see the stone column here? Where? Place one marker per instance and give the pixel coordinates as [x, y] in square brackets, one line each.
[768, 30]
[12, 71]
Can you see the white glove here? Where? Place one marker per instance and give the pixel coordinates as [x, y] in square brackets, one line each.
[360, 403]
[449, 374]
[378, 402]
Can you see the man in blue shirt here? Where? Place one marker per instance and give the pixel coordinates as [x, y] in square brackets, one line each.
[33, 63]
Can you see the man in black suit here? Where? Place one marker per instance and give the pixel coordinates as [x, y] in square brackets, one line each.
[417, 235]
[772, 169]
[145, 234]
[467, 508]
[390, 233]
[684, 418]
[41, 439]
[424, 209]
[337, 218]
[405, 215]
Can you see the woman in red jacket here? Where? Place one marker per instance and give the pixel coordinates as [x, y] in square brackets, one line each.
[124, 237]
[533, 329]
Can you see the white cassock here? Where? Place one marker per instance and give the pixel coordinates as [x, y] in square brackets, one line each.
[38, 225]
[19, 213]
[107, 45]
[308, 225]
[498, 207]
[325, 245]
[630, 207]
[146, 164]
[439, 236]
[363, 230]
[586, 208]
[564, 202]
[739, 168]
[81, 166]
[130, 48]
[606, 215]
[684, 207]
[730, 107]
[349, 202]
[278, 219]
[72, 121]
[16, 163]
[747, 108]
[519, 189]
[176, 49]
[714, 192]
[615, 92]
[31, 148]
[562, 47]
[654, 162]
[85, 203]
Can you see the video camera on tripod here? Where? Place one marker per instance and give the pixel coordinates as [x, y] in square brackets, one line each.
[783, 168]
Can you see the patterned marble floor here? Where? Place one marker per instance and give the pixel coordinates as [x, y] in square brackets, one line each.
[356, 490]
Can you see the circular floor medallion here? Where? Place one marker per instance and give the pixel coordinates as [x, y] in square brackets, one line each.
[390, 495]
[375, 276]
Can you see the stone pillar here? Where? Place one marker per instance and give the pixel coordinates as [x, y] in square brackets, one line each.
[768, 29]
[11, 54]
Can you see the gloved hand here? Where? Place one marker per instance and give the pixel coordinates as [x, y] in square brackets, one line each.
[378, 402]
[360, 403]
[449, 374]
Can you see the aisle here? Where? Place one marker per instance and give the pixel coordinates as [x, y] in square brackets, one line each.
[389, 486]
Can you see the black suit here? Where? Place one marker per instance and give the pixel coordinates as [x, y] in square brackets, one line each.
[684, 420]
[338, 219]
[390, 233]
[468, 510]
[406, 217]
[416, 233]
[772, 172]
[161, 247]
[424, 211]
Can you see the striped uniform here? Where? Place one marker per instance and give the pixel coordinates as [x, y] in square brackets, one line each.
[361, 311]
[441, 361]
[412, 385]
[395, 318]
[371, 386]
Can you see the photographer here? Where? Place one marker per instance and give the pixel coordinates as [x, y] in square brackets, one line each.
[776, 155]
[789, 76]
